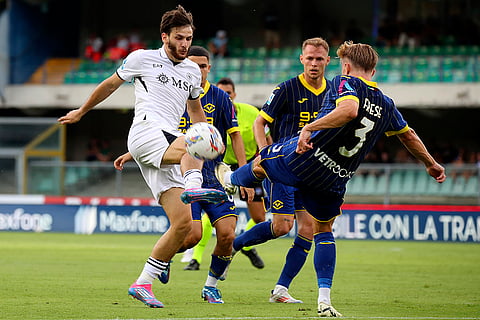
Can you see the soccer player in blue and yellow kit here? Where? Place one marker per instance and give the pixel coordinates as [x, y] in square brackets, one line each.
[292, 105]
[246, 115]
[328, 151]
[220, 112]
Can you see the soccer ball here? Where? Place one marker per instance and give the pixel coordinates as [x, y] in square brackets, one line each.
[203, 141]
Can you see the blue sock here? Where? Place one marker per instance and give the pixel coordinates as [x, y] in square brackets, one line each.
[245, 177]
[324, 258]
[259, 233]
[296, 257]
[218, 265]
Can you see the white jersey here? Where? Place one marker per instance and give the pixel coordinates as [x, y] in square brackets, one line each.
[162, 87]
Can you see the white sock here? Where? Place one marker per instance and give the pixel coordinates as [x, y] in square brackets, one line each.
[324, 295]
[211, 281]
[193, 178]
[151, 270]
[279, 288]
[227, 178]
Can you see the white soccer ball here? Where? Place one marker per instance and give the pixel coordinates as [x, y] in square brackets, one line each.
[203, 141]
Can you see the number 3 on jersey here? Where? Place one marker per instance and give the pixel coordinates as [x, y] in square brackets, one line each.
[361, 134]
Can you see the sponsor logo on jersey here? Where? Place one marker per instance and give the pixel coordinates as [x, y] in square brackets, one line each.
[302, 100]
[331, 165]
[162, 77]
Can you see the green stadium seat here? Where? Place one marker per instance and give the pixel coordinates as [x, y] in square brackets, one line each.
[253, 77]
[446, 188]
[356, 185]
[408, 183]
[421, 182]
[406, 76]
[370, 185]
[71, 176]
[381, 184]
[472, 187]
[458, 185]
[249, 52]
[396, 182]
[433, 75]
[68, 78]
[394, 76]
[433, 187]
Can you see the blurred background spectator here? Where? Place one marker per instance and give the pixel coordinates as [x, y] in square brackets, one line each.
[218, 45]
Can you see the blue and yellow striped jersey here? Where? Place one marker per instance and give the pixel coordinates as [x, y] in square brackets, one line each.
[292, 105]
[220, 112]
[338, 152]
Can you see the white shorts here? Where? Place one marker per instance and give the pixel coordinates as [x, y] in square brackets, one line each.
[147, 144]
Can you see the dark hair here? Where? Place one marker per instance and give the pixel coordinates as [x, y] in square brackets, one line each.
[198, 51]
[226, 81]
[176, 18]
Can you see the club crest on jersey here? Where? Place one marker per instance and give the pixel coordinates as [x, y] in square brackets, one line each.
[162, 78]
[209, 108]
[277, 204]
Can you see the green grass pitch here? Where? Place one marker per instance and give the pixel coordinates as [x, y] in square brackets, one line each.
[67, 276]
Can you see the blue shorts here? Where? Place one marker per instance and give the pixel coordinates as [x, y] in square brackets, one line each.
[215, 211]
[282, 199]
[323, 205]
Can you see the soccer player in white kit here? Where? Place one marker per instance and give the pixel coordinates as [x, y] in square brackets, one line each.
[164, 83]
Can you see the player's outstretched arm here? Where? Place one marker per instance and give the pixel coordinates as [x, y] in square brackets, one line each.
[195, 111]
[121, 160]
[415, 146]
[100, 93]
[345, 112]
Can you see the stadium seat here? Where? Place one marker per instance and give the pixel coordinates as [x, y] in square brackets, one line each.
[446, 188]
[381, 184]
[458, 185]
[396, 182]
[356, 184]
[472, 187]
[433, 187]
[421, 182]
[408, 183]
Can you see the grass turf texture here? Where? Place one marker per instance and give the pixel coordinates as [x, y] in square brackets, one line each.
[66, 276]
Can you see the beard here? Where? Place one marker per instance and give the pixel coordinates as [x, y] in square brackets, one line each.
[174, 52]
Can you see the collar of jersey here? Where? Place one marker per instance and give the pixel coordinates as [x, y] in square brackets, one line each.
[205, 89]
[301, 77]
[368, 83]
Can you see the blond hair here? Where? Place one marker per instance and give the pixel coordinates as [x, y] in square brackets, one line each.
[360, 55]
[316, 42]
